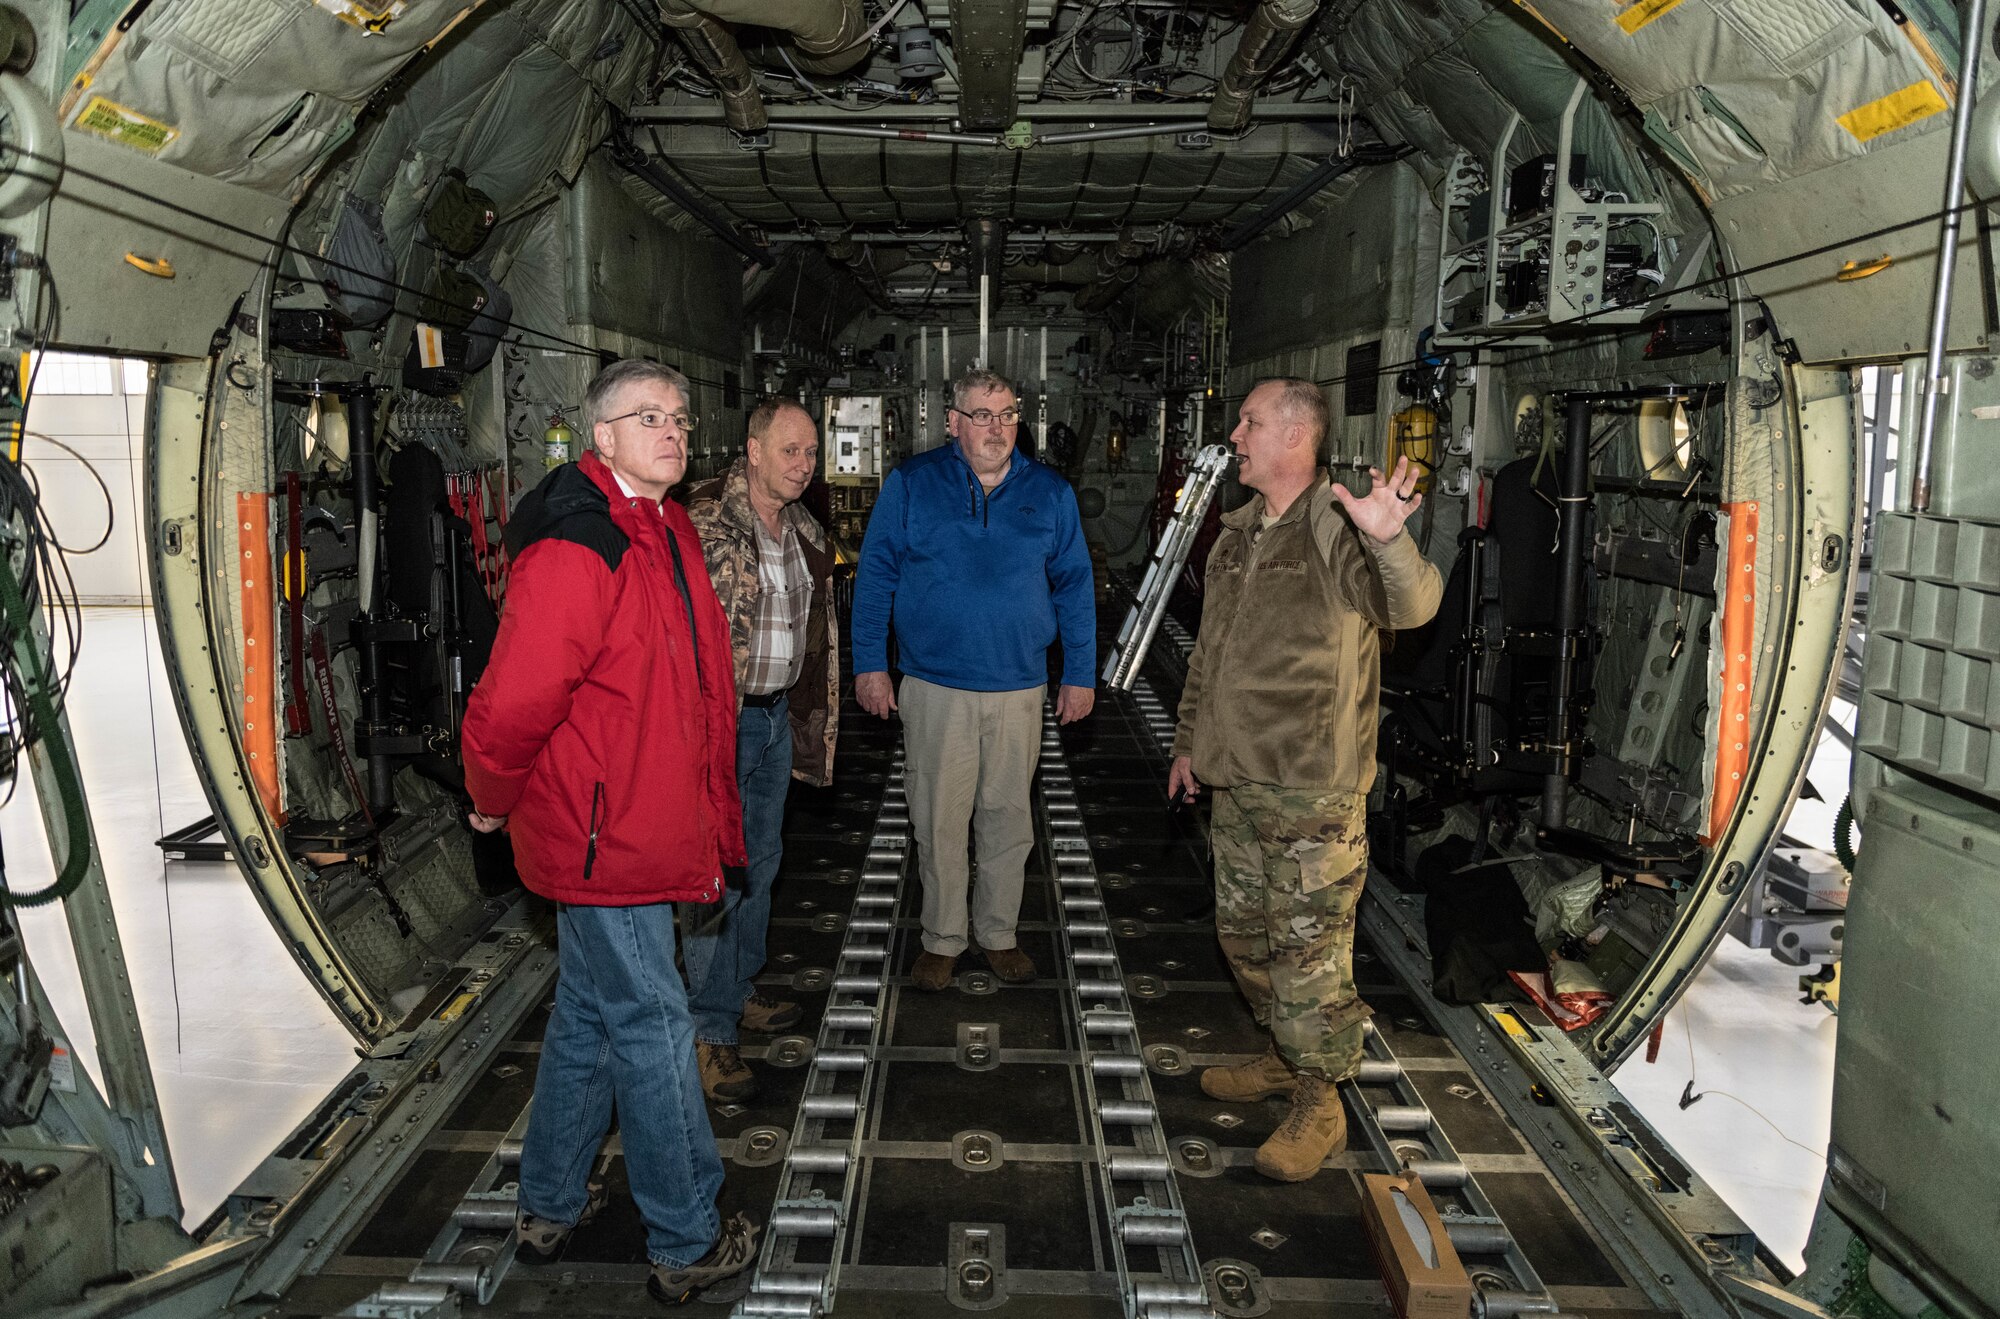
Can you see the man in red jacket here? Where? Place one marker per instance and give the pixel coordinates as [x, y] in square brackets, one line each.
[603, 734]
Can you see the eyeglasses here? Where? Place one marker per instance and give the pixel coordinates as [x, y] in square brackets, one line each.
[653, 419]
[986, 416]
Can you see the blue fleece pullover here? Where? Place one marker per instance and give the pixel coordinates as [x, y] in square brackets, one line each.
[978, 585]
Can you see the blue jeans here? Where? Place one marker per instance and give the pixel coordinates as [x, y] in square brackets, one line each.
[724, 948]
[620, 1037]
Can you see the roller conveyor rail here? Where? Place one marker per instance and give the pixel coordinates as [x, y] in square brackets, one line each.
[988, 1146]
[819, 1183]
[1135, 1172]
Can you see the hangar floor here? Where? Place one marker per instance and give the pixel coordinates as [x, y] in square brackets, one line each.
[227, 1072]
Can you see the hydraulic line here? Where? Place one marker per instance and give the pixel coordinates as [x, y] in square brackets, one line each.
[30, 662]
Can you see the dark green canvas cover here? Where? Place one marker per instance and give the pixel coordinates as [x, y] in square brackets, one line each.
[459, 216]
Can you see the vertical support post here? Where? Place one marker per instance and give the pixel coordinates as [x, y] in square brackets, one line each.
[1972, 39]
[1573, 543]
[923, 384]
[985, 294]
[1042, 386]
[360, 400]
[1878, 447]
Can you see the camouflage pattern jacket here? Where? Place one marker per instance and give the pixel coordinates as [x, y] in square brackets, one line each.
[1284, 684]
[722, 514]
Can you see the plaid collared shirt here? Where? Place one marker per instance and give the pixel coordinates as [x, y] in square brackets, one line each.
[777, 638]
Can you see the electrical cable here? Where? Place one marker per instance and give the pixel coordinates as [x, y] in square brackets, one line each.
[110, 508]
[1724, 278]
[578, 348]
[1689, 1095]
[800, 79]
[562, 344]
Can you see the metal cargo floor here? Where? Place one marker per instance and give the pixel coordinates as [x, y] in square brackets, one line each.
[1006, 1145]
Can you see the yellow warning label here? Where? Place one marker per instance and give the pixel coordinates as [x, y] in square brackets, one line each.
[1920, 100]
[430, 347]
[367, 17]
[125, 126]
[1512, 1025]
[1642, 12]
[455, 1009]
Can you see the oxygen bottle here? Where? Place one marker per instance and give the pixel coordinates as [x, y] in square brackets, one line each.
[558, 441]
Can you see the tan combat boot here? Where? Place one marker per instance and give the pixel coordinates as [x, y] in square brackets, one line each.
[1243, 1083]
[725, 1077]
[1315, 1128]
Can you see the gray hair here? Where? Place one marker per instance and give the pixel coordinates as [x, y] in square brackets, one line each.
[628, 371]
[979, 380]
[1303, 402]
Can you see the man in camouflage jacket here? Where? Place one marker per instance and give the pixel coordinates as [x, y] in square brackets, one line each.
[1278, 715]
[772, 571]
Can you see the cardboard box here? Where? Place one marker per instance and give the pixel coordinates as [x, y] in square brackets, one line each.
[1419, 1267]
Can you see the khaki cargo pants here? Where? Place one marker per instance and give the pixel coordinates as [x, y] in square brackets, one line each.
[1289, 866]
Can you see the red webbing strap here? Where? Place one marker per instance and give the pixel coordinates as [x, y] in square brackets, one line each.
[323, 673]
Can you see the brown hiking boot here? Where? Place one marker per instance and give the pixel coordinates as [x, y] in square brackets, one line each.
[733, 1252]
[1243, 1083]
[932, 971]
[764, 1015]
[1315, 1128]
[1010, 964]
[725, 1077]
[541, 1240]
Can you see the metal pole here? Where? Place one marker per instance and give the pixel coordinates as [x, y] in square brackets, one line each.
[1018, 238]
[985, 292]
[360, 401]
[1042, 421]
[1573, 544]
[637, 162]
[903, 134]
[943, 111]
[1110, 134]
[1971, 38]
[1878, 446]
[1296, 196]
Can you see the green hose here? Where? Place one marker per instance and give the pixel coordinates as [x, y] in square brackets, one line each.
[32, 667]
[1843, 833]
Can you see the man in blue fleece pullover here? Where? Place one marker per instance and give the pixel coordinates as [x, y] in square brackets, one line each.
[975, 555]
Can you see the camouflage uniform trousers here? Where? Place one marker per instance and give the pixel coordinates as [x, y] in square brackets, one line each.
[1289, 866]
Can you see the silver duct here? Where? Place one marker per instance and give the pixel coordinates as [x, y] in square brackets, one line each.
[1269, 34]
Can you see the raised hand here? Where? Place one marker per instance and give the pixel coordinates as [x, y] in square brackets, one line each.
[1381, 512]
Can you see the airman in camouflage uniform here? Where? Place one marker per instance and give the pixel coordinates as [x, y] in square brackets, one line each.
[1278, 715]
[1284, 913]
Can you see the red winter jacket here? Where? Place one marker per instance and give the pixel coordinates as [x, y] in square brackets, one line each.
[616, 770]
